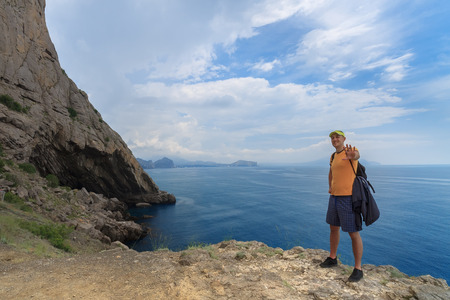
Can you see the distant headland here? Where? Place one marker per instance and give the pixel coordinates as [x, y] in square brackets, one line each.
[168, 163]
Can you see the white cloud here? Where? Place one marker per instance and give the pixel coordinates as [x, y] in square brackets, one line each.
[169, 40]
[266, 66]
[177, 40]
[349, 37]
[220, 117]
[179, 77]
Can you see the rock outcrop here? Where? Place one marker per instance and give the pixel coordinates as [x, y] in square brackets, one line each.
[101, 218]
[47, 120]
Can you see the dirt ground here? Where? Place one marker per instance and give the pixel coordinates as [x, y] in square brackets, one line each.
[113, 274]
[229, 270]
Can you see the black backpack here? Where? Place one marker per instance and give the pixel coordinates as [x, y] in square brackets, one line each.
[360, 171]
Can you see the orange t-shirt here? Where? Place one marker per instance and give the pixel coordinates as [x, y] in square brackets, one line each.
[342, 175]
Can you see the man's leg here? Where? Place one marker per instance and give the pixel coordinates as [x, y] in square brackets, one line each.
[331, 261]
[357, 246]
[334, 240]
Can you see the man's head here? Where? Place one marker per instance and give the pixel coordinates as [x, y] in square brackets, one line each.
[337, 139]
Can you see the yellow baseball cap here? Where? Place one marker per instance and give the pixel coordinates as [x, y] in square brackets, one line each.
[337, 132]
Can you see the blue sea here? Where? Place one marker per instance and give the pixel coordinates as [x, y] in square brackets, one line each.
[286, 206]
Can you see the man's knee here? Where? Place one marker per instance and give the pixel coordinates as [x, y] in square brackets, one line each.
[354, 235]
[335, 228]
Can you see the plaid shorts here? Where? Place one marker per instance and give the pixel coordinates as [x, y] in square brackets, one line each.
[340, 213]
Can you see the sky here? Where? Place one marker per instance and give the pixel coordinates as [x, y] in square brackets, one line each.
[263, 80]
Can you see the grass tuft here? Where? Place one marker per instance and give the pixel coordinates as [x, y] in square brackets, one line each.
[52, 180]
[27, 167]
[56, 234]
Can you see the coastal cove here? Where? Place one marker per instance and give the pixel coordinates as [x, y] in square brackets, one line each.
[285, 207]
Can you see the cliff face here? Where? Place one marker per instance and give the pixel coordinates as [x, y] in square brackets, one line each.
[51, 122]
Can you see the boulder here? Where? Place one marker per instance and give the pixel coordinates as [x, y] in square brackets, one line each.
[122, 231]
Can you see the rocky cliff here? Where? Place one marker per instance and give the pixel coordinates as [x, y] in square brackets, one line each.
[47, 120]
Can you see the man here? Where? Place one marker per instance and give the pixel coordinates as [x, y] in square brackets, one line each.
[340, 213]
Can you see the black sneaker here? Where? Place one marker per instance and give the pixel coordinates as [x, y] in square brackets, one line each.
[329, 262]
[356, 275]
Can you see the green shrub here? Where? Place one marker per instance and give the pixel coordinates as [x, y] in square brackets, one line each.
[197, 245]
[17, 202]
[9, 102]
[1, 150]
[2, 164]
[240, 255]
[52, 180]
[13, 198]
[56, 234]
[25, 207]
[27, 167]
[12, 178]
[72, 112]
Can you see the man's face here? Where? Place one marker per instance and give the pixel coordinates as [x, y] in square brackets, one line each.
[337, 140]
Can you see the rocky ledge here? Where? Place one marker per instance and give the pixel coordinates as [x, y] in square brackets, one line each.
[95, 215]
[228, 270]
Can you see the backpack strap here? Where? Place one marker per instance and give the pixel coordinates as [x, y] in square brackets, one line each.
[353, 168]
[361, 176]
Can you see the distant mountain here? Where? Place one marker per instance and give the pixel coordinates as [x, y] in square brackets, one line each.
[244, 163]
[182, 163]
[145, 164]
[198, 163]
[369, 163]
[326, 162]
[164, 163]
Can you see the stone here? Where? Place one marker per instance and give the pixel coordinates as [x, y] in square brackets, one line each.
[22, 192]
[120, 245]
[143, 205]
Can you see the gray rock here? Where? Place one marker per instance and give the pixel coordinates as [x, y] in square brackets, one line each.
[22, 192]
[60, 132]
[143, 205]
